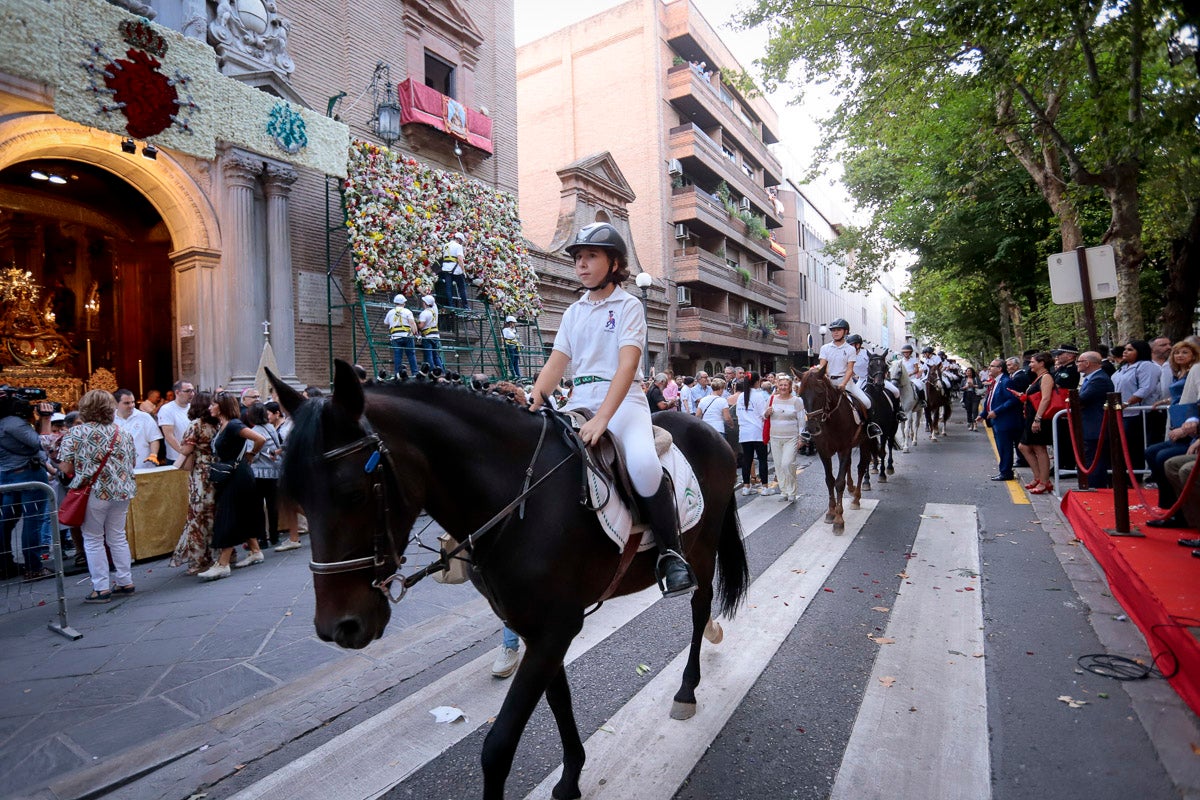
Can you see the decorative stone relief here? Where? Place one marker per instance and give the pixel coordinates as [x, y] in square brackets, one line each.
[137, 7]
[250, 36]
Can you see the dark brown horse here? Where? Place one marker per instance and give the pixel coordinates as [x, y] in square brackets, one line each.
[832, 428]
[364, 463]
[937, 403]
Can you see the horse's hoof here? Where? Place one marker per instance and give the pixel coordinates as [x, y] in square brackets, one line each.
[892, 470]
[854, 505]
[714, 632]
[829, 518]
[839, 529]
[682, 710]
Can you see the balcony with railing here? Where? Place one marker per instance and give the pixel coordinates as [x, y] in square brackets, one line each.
[705, 158]
[692, 206]
[701, 326]
[701, 102]
[695, 265]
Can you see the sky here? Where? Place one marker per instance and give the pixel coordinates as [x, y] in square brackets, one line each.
[799, 131]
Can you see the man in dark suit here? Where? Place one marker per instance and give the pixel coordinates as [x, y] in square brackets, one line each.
[1094, 387]
[1002, 413]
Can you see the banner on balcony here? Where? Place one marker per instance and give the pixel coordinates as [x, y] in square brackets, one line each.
[400, 214]
[427, 106]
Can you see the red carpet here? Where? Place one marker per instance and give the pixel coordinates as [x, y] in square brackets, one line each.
[1155, 580]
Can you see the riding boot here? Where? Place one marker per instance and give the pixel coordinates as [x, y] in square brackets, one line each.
[674, 575]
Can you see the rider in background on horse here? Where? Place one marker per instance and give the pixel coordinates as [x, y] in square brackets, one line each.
[838, 362]
[601, 339]
[912, 365]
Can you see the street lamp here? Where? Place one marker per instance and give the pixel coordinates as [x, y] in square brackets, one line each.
[644, 281]
[824, 330]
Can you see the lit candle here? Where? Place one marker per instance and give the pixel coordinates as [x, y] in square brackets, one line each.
[89, 349]
[140, 392]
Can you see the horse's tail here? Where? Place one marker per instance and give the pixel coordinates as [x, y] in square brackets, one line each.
[733, 571]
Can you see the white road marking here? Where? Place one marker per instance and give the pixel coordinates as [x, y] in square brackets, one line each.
[369, 759]
[926, 735]
[642, 752]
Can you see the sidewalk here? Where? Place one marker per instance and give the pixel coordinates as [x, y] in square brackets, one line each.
[209, 674]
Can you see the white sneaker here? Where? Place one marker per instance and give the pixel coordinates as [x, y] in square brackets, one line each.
[286, 545]
[215, 572]
[745, 491]
[764, 491]
[254, 557]
[506, 662]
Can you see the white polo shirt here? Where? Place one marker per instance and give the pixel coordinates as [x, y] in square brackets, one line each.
[593, 332]
[144, 430]
[838, 358]
[862, 363]
[176, 416]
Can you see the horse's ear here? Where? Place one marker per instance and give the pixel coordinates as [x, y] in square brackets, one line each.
[347, 391]
[289, 398]
[818, 370]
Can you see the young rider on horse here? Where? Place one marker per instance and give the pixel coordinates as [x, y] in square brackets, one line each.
[932, 361]
[838, 361]
[601, 339]
[912, 365]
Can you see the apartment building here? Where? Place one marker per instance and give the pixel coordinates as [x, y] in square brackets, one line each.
[813, 285]
[648, 83]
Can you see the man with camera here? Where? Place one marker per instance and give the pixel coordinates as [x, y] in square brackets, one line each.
[23, 460]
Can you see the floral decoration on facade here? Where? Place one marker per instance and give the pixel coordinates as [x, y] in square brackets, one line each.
[401, 212]
[287, 128]
[136, 85]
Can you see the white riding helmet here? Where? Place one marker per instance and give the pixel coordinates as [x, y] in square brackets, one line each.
[399, 300]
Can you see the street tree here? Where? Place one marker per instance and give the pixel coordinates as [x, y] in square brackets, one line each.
[1082, 95]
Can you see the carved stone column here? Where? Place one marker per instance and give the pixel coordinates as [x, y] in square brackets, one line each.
[245, 290]
[282, 314]
[200, 335]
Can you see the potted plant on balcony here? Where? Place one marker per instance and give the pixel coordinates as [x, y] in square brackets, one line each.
[744, 275]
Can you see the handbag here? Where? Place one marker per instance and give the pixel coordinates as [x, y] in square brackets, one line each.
[1058, 400]
[221, 472]
[74, 506]
[767, 422]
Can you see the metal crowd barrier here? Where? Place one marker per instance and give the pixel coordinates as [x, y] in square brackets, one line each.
[19, 593]
[1059, 473]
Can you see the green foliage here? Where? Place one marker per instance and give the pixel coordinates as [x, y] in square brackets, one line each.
[950, 111]
[745, 275]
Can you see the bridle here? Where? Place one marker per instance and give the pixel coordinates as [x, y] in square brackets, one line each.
[386, 558]
[820, 415]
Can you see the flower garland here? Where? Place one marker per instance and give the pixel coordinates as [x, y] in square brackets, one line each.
[400, 213]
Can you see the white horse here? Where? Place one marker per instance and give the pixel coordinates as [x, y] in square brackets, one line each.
[910, 404]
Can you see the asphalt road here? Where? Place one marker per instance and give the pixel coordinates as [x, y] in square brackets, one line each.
[986, 721]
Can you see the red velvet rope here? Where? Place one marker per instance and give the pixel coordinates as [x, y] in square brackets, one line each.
[1099, 446]
[1187, 487]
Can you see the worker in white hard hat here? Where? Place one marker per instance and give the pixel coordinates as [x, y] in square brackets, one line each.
[512, 346]
[453, 284]
[402, 327]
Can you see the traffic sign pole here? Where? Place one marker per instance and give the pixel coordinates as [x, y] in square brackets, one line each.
[1089, 308]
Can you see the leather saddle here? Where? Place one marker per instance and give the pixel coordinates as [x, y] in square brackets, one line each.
[606, 459]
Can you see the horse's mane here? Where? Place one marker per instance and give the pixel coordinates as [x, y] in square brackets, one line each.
[490, 411]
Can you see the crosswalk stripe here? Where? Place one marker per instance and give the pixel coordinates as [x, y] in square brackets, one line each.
[367, 760]
[640, 751]
[922, 727]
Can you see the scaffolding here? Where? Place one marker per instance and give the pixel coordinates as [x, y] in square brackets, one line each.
[471, 342]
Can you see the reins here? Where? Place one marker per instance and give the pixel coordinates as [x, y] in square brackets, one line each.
[378, 464]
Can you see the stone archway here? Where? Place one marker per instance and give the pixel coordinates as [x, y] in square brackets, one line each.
[173, 191]
[189, 216]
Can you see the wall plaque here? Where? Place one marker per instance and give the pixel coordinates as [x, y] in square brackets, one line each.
[312, 299]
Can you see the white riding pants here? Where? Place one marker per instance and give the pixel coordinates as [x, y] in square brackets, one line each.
[631, 428]
[856, 390]
[891, 387]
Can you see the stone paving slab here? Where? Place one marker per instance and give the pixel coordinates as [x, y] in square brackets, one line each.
[186, 677]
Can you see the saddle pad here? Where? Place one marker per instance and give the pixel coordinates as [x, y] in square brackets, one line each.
[616, 518]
